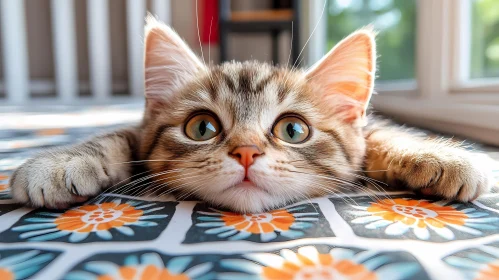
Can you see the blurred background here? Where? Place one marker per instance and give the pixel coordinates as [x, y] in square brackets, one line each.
[438, 61]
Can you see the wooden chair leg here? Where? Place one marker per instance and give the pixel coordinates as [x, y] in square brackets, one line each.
[223, 44]
[223, 30]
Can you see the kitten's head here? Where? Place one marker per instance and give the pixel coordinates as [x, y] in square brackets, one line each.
[250, 136]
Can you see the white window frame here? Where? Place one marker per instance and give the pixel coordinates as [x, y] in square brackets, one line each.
[442, 97]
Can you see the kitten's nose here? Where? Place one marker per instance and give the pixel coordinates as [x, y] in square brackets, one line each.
[246, 154]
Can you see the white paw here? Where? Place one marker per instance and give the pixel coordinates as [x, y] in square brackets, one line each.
[457, 174]
[57, 180]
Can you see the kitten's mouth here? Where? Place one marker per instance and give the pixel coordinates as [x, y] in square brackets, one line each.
[247, 184]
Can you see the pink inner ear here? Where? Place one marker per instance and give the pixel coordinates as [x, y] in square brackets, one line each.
[169, 63]
[348, 69]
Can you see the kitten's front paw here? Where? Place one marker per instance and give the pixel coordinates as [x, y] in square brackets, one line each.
[58, 180]
[453, 174]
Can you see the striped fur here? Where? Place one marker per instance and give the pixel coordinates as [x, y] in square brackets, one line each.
[247, 99]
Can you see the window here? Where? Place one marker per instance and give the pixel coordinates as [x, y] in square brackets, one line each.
[484, 39]
[438, 64]
[396, 22]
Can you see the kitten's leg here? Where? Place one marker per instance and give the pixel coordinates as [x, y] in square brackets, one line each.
[62, 176]
[434, 167]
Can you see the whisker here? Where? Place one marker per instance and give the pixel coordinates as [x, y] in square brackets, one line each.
[179, 178]
[181, 185]
[355, 185]
[329, 191]
[195, 189]
[165, 178]
[197, 26]
[291, 47]
[313, 31]
[109, 188]
[159, 160]
[134, 182]
[301, 194]
[209, 43]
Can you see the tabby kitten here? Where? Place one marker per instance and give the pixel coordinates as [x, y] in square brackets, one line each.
[250, 136]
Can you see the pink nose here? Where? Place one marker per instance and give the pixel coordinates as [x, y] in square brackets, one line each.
[246, 155]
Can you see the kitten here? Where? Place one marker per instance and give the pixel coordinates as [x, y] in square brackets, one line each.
[250, 136]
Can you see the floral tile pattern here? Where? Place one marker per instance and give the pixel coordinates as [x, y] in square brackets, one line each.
[304, 262]
[323, 262]
[481, 262]
[491, 201]
[301, 221]
[304, 241]
[6, 208]
[4, 186]
[111, 219]
[141, 266]
[411, 217]
[24, 264]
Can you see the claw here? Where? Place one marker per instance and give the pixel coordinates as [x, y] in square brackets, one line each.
[74, 190]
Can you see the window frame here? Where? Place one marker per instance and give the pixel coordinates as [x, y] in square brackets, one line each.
[442, 96]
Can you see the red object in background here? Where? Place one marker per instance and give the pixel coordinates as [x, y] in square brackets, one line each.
[208, 16]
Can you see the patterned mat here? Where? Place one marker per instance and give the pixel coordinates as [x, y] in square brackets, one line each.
[400, 236]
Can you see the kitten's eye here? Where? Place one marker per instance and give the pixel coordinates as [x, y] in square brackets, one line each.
[291, 129]
[202, 127]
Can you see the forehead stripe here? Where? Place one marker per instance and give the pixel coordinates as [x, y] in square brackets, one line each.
[245, 82]
[282, 93]
[228, 81]
[260, 86]
[213, 88]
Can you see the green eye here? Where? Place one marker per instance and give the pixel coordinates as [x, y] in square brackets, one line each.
[202, 127]
[291, 129]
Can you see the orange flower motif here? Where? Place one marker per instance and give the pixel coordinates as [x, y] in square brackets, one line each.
[97, 219]
[103, 216]
[309, 263]
[148, 266]
[479, 262]
[489, 272]
[279, 220]
[327, 267]
[287, 222]
[3, 187]
[23, 264]
[423, 218]
[6, 275]
[149, 272]
[420, 213]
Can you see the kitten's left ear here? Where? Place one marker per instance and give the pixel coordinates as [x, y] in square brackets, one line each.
[348, 70]
[169, 62]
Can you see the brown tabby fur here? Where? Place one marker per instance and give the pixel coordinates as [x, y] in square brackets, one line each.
[248, 98]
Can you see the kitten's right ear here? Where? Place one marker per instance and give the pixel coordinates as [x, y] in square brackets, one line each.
[169, 62]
